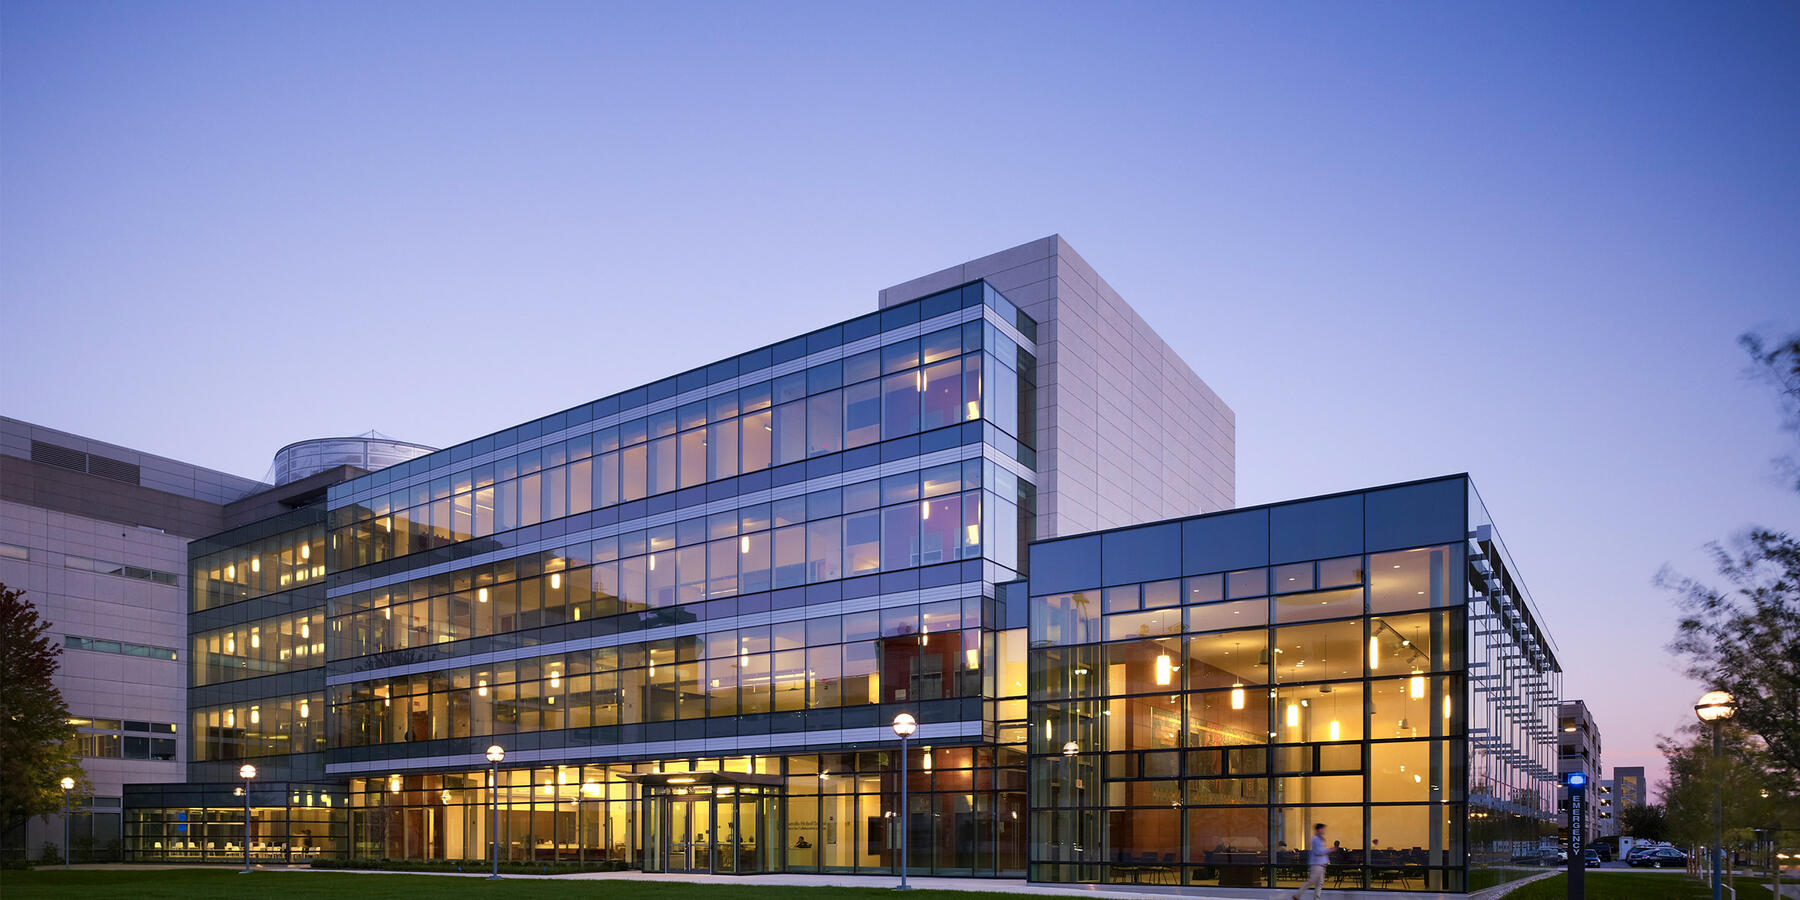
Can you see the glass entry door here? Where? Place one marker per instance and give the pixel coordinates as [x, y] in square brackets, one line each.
[690, 835]
[712, 828]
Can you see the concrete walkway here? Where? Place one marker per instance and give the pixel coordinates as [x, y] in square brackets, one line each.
[975, 885]
[1010, 886]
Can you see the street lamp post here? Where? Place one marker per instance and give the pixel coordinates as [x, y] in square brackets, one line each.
[1713, 708]
[68, 784]
[248, 773]
[495, 754]
[904, 726]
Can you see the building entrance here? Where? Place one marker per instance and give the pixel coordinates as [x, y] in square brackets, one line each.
[721, 823]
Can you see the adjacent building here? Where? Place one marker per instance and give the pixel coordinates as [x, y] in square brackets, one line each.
[1578, 750]
[96, 536]
[688, 612]
[1606, 808]
[99, 537]
[1630, 788]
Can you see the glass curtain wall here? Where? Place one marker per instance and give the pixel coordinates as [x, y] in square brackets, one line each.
[901, 654]
[271, 646]
[1237, 709]
[900, 389]
[257, 567]
[901, 521]
[903, 440]
[835, 812]
[289, 823]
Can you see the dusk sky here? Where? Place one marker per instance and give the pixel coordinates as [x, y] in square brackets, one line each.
[1400, 240]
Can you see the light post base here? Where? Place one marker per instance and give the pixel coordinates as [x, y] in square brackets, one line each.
[493, 878]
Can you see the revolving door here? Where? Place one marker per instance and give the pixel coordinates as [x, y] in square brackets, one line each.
[721, 823]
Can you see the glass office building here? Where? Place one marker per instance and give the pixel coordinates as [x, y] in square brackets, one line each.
[689, 611]
[256, 694]
[1204, 691]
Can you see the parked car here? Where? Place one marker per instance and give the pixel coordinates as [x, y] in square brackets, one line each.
[1603, 848]
[1659, 858]
[1590, 857]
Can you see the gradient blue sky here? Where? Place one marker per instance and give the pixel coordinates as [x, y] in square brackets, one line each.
[1399, 239]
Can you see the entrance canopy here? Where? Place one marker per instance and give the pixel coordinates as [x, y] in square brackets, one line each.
[718, 822]
[683, 779]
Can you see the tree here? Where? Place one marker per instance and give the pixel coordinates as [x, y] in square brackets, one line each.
[1778, 365]
[1755, 791]
[37, 748]
[1745, 638]
[1645, 822]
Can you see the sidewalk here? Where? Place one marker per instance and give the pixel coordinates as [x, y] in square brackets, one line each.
[976, 885]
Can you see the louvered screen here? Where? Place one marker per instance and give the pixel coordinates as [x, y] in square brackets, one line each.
[60, 457]
[113, 469]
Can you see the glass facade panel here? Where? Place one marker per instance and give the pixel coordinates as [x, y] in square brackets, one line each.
[1320, 696]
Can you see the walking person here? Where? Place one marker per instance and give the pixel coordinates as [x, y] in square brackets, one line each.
[1317, 854]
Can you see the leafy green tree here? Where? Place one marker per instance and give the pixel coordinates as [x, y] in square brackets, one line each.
[1645, 821]
[1745, 637]
[37, 747]
[1756, 792]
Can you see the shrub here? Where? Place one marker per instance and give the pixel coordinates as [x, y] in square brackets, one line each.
[512, 867]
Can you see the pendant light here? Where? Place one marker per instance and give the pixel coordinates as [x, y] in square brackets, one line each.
[1237, 686]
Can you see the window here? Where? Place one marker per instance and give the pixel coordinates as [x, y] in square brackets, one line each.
[900, 404]
[862, 414]
[120, 647]
[84, 564]
[98, 746]
[862, 543]
[97, 739]
[1414, 579]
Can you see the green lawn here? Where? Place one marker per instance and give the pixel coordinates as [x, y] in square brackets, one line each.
[193, 884]
[197, 884]
[1614, 885]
